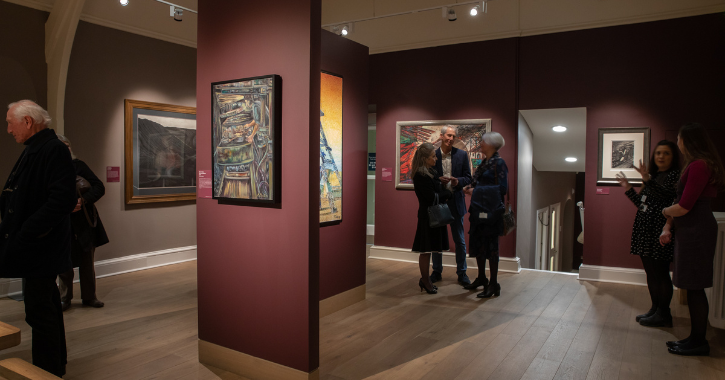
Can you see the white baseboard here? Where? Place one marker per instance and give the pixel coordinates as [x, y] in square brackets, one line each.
[506, 264]
[112, 267]
[370, 229]
[612, 274]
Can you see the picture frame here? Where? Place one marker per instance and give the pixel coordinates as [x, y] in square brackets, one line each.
[331, 148]
[411, 134]
[620, 150]
[159, 152]
[247, 140]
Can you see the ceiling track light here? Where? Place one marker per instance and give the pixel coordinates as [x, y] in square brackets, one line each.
[124, 2]
[343, 29]
[452, 14]
[447, 11]
[176, 13]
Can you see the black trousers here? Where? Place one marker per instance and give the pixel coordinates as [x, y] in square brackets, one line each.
[86, 272]
[44, 315]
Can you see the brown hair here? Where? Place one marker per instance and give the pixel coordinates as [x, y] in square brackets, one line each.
[422, 154]
[699, 146]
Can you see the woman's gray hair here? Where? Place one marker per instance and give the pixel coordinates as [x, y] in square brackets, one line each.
[67, 142]
[29, 108]
[422, 154]
[494, 139]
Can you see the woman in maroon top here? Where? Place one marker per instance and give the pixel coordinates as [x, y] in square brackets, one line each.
[696, 230]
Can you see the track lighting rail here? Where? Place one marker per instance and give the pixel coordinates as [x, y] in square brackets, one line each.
[405, 13]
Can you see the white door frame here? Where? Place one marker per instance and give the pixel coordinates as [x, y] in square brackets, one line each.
[554, 247]
[542, 233]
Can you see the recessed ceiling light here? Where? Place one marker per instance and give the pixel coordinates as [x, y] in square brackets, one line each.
[570, 159]
[559, 128]
[124, 2]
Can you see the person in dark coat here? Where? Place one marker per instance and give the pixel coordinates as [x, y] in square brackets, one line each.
[658, 191]
[88, 233]
[484, 238]
[454, 172]
[696, 230]
[427, 188]
[35, 208]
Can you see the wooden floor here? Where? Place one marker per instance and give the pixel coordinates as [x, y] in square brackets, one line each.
[544, 326]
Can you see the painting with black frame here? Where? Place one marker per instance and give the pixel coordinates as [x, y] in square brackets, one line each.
[246, 141]
[620, 151]
[331, 148]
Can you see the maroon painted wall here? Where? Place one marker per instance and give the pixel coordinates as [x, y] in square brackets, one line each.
[342, 246]
[466, 81]
[258, 277]
[657, 75]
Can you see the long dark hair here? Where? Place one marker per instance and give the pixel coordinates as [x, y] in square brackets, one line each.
[422, 154]
[676, 163]
[699, 146]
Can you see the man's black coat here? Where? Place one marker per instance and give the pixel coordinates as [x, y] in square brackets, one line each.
[35, 207]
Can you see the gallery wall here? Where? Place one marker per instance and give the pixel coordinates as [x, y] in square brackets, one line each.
[106, 66]
[466, 81]
[658, 75]
[23, 72]
[342, 245]
[525, 213]
[258, 278]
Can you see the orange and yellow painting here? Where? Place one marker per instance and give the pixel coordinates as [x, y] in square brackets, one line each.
[330, 148]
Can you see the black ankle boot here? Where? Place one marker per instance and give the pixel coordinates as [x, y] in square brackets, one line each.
[492, 290]
[661, 318]
[648, 314]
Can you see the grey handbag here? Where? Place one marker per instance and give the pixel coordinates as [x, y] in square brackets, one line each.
[439, 215]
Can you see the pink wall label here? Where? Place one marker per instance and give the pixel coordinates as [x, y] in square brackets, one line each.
[203, 189]
[602, 191]
[113, 173]
[387, 174]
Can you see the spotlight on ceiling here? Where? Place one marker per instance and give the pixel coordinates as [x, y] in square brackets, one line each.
[124, 2]
[344, 30]
[474, 10]
[452, 14]
[570, 159]
[176, 13]
[559, 128]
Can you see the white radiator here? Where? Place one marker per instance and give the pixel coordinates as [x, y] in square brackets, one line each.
[716, 294]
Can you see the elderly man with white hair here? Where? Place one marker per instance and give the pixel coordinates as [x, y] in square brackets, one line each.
[35, 231]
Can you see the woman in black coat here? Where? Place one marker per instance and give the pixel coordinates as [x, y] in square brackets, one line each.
[658, 192]
[88, 233]
[427, 187]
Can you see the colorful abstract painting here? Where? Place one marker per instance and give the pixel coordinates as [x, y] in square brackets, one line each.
[330, 148]
[245, 136]
[411, 134]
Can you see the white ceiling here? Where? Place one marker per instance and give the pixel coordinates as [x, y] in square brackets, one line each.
[551, 148]
[505, 18]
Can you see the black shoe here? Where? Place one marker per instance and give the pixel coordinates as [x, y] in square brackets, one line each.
[684, 350]
[673, 343]
[492, 290]
[648, 314]
[435, 277]
[64, 305]
[476, 283]
[422, 287]
[463, 279]
[661, 318]
[94, 303]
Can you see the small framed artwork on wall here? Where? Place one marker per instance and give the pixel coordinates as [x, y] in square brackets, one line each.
[246, 141]
[160, 152]
[621, 150]
[411, 134]
[330, 148]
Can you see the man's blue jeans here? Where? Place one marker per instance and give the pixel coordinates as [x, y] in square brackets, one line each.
[460, 240]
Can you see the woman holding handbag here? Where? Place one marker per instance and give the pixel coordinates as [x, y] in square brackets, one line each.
[88, 233]
[429, 191]
[696, 230]
[484, 238]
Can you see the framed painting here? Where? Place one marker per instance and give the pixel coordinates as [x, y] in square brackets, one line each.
[330, 148]
[411, 134]
[246, 141]
[620, 150]
[160, 152]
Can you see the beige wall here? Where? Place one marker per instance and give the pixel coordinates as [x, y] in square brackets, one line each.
[106, 67]
[525, 245]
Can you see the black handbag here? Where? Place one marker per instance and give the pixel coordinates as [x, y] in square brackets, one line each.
[439, 215]
[82, 186]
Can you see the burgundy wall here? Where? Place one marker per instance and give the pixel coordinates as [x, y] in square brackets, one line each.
[657, 75]
[258, 277]
[342, 246]
[466, 81]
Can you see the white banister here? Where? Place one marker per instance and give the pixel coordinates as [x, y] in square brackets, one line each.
[716, 294]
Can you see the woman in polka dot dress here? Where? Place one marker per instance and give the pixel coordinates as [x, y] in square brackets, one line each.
[658, 191]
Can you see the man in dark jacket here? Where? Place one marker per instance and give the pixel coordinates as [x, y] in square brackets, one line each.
[35, 232]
